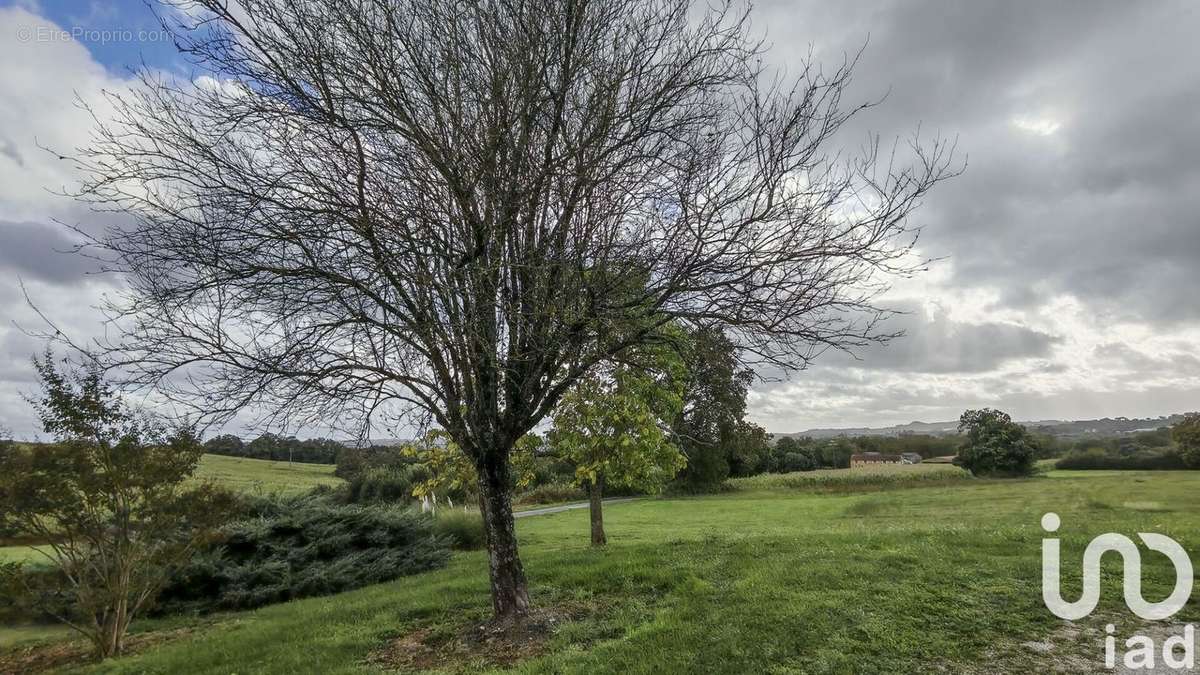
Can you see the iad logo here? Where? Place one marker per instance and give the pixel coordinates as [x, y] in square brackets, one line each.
[1132, 559]
[1140, 649]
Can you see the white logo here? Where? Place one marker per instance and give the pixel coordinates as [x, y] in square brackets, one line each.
[1132, 562]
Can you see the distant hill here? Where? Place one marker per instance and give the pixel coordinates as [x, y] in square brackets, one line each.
[1108, 426]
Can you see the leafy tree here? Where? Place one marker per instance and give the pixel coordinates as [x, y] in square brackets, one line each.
[835, 453]
[749, 446]
[450, 473]
[995, 445]
[437, 208]
[267, 446]
[352, 461]
[614, 428]
[110, 499]
[318, 451]
[225, 444]
[1187, 434]
[798, 461]
[714, 402]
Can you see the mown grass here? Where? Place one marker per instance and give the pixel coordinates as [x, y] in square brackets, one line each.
[883, 476]
[260, 476]
[20, 554]
[898, 581]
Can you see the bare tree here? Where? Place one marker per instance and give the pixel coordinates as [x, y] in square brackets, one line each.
[459, 208]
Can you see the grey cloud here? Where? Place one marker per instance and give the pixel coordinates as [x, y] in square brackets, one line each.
[1134, 360]
[9, 149]
[41, 252]
[938, 344]
[1107, 208]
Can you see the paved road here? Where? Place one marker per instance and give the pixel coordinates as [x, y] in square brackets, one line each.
[567, 507]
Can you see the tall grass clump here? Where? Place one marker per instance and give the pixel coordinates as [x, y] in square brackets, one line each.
[462, 527]
[850, 480]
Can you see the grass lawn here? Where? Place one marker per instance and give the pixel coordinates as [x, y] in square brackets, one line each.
[895, 580]
[14, 636]
[21, 554]
[262, 476]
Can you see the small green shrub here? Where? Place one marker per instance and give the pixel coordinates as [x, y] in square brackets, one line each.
[297, 547]
[463, 527]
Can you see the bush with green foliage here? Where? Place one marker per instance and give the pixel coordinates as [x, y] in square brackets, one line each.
[797, 461]
[385, 484]
[995, 445]
[114, 498]
[351, 461]
[1187, 434]
[1098, 458]
[296, 547]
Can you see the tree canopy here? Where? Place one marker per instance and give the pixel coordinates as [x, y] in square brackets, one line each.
[995, 445]
[1187, 434]
[428, 211]
[110, 498]
[614, 427]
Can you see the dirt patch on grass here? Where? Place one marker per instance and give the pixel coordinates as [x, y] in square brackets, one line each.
[38, 658]
[492, 643]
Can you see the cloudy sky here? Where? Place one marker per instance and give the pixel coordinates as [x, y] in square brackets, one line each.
[1068, 285]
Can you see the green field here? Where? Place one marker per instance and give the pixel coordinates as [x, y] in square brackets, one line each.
[19, 554]
[942, 577]
[261, 476]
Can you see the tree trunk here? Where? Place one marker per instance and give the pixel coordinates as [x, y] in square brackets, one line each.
[510, 594]
[595, 508]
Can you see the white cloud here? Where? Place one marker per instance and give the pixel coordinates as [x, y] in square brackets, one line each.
[40, 81]
[1041, 126]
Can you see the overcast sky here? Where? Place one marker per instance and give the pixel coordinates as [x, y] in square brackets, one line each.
[1069, 285]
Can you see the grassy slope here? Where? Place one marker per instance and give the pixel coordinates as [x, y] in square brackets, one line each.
[264, 476]
[768, 581]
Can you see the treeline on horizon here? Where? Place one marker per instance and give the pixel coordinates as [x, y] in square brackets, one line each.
[786, 453]
[277, 448]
